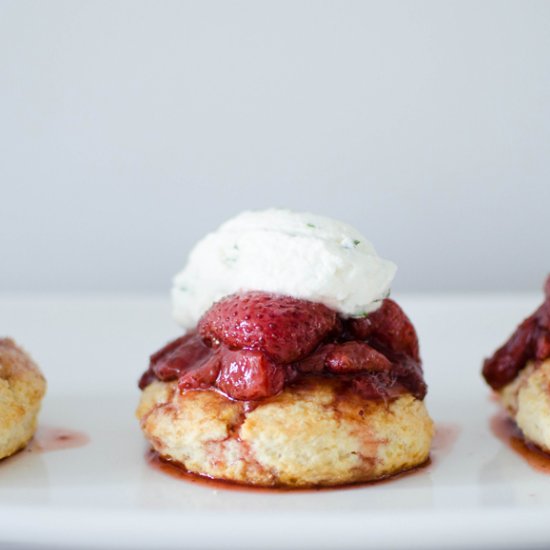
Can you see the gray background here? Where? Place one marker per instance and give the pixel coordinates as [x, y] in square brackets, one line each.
[129, 129]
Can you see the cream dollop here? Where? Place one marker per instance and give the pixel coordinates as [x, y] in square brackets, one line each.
[298, 254]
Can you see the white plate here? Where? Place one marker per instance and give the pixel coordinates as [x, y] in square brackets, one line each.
[104, 494]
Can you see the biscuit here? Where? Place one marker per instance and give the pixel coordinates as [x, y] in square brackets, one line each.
[22, 387]
[527, 399]
[314, 433]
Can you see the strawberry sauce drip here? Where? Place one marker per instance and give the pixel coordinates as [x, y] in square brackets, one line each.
[251, 345]
[530, 342]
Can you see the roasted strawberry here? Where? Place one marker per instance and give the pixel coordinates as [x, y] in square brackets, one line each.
[285, 328]
[503, 366]
[178, 356]
[388, 328]
[355, 357]
[344, 358]
[404, 376]
[530, 341]
[542, 346]
[250, 345]
[202, 376]
[249, 375]
[148, 377]
[408, 373]
[313, 363]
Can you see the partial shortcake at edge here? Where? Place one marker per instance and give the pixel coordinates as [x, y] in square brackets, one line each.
[22, 387]
[527, 400]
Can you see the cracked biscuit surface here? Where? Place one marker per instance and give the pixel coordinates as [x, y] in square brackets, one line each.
[311, 434]
[22, 387]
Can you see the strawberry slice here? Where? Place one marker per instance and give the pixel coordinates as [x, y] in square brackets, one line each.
[285, 328]
[178, 356]
[202, 376]
[355, 357]
[249, 375]
[388, 328]
[530, 341]
[345, 358]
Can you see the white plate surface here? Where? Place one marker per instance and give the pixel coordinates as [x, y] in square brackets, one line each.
[476, 494]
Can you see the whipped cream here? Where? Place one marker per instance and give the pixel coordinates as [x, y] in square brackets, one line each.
[298, 254]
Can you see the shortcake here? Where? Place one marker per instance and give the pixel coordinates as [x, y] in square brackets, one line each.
[295, 368]
[22, 387]
[519, 372]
